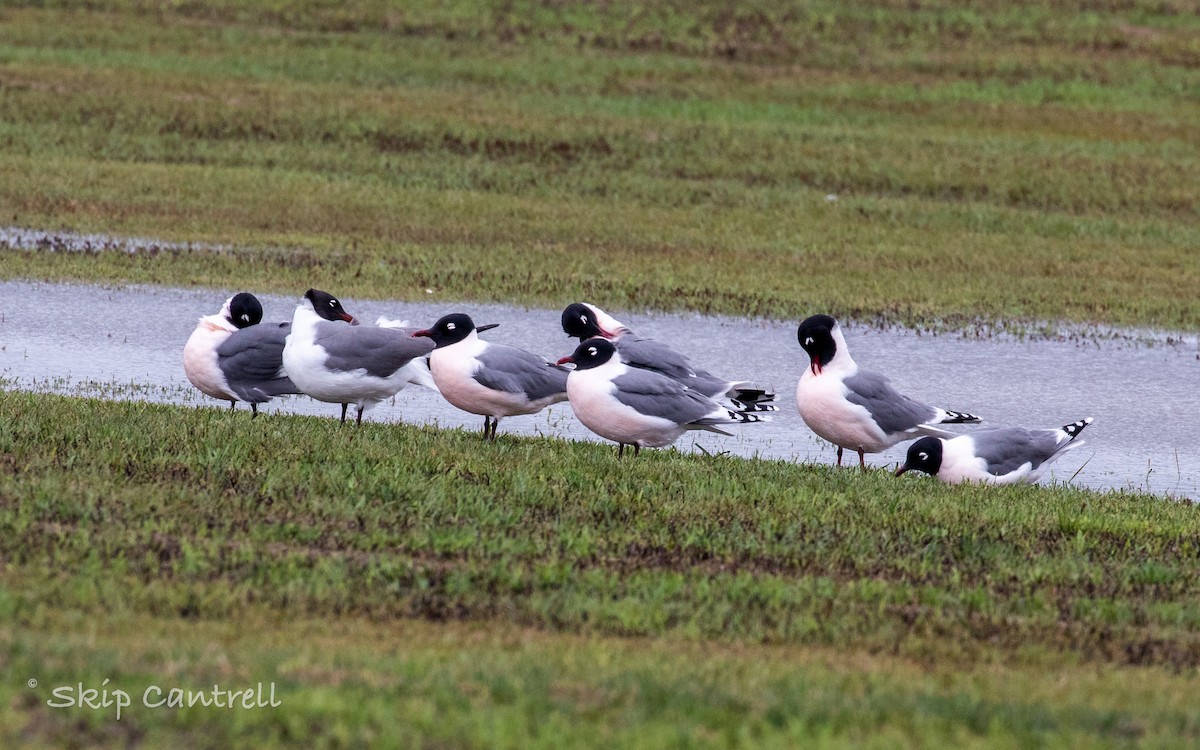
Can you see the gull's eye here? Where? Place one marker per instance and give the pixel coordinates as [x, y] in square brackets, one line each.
[591, 351]
[923, 456]
[584, 319]
[808, 341]
[449, 326]
[333, 303]
[245, 317]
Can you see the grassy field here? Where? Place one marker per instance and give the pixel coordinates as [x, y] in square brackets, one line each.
[916, 162]
[396, 585]
[907, 161]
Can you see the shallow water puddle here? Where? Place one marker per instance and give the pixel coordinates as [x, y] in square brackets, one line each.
[126, 342]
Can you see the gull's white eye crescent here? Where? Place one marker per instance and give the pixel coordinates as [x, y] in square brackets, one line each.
[584, 319]
[449, 326]
[808, 341]
[923, 456]
[245, 317]
[592, 351]
[333, 303]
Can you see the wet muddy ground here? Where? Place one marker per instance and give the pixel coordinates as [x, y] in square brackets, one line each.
[126, 342]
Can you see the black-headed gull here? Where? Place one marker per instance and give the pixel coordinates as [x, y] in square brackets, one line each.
[331, 358]
[638, 407]
[854, 408]
[582, 320]
[491, 380]
[235, 357]
[998, 455]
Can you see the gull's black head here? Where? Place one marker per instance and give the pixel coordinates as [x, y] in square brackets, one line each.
[924, 455]
[450, 329]
[327, 306]
[579, 321]
[245, 310]
[591, 353]
[816, 339]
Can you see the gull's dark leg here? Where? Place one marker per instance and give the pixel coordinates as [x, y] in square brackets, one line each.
[344, 413]
[839, 455]
[489, 427]
[621, 450]
[232, 405]
[862, 463]
[254, 410]
[358, 419]
[637, 448]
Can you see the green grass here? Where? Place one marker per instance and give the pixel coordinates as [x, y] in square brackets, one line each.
[352, 682]
[672, 598]
[1030, 162]
[915, 162]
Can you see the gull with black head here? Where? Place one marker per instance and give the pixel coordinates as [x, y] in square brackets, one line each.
[234, 356]
[489, 379]
[582, 320]
[331, 358]
[854, 408]
[638, 407]
[999, 455]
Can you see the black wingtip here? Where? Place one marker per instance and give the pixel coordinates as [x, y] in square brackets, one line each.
[960, 417]
[1075, 428]
[752, 395]
[746, 406]
[747, 417]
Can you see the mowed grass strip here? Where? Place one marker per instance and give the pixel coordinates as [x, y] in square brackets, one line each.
[406, 586]
[351, 682]
[199, 513]
[991, 163]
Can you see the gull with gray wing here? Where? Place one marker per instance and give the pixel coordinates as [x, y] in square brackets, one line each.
[639, 407]
[491, 380]
[583, 321]
[854, 408]
[235, 357]
[331, 358]
[999, 455]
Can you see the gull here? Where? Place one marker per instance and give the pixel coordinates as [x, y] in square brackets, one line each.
[582, 320]
[331, 358]
[999, 455]
[235, 357]
[638, 407]
[854, 408]
[491, 380]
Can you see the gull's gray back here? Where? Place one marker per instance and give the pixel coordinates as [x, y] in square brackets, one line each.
[660, 396]
[513, 370]
[251, 360]
[1007, 449]
[649, 354]
[892, 410]
[379, 351]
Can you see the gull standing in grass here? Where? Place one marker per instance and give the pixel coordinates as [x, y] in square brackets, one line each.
[638, 407]
[492, 380]
[235, 357]
[331, 358]
[999, 455]
[854, 408]
[583, 321]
